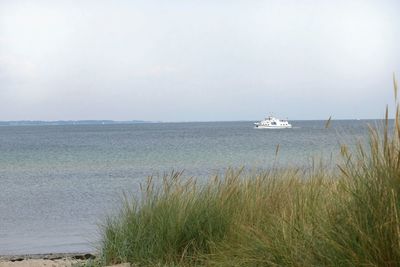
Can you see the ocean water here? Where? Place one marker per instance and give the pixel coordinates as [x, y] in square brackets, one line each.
[57, 183]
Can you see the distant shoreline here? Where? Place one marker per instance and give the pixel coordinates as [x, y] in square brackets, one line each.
[79, 122]
[112, 122]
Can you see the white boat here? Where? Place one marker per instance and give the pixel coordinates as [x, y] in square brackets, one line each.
[272, 123]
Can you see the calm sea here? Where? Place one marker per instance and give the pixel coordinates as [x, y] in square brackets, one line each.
[57, 183]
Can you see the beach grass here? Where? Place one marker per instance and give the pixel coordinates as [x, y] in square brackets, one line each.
[315, 216]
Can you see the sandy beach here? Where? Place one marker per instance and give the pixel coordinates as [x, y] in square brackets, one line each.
[48, 260]
[40, 263]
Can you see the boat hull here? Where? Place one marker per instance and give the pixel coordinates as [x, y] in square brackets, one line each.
[273, 127]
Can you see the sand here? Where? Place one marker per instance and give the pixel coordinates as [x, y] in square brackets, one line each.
[49, 260]
[42, 263]
[50, 263]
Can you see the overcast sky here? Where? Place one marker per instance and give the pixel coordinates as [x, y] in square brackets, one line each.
[197, 60]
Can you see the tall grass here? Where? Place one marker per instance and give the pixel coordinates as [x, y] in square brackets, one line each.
[173, 223]
[292, 217]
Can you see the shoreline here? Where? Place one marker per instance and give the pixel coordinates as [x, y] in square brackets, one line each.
[50, 259]
[48, 256]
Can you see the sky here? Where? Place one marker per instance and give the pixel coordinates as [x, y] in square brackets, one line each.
[197, 60]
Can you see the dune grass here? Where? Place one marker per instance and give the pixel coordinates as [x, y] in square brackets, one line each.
[291, 217]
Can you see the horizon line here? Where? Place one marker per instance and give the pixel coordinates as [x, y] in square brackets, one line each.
[100, 121]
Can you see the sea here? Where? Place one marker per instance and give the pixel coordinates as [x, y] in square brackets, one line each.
[58, 183]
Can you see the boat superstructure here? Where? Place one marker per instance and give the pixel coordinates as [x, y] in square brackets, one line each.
[272, 123]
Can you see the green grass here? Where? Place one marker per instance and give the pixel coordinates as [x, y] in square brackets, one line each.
[292, 217]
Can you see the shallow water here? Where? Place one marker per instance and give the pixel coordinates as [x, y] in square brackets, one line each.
[57, 183]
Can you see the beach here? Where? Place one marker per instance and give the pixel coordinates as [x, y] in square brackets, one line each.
[45, 260]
